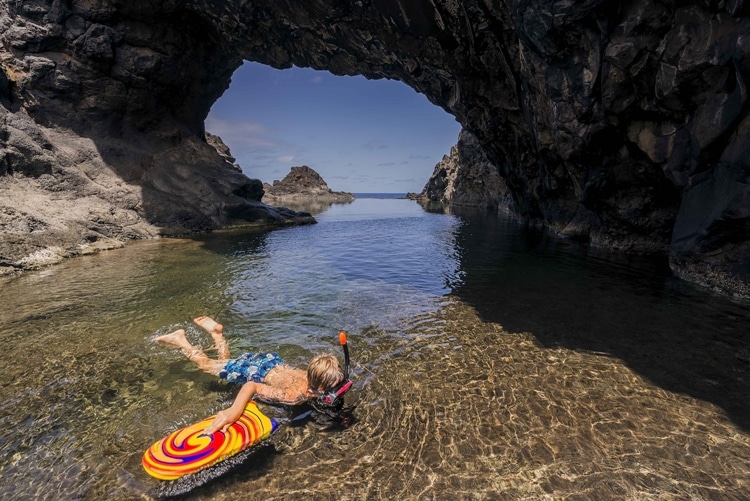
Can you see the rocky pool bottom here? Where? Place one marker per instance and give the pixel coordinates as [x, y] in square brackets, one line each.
[453, 408]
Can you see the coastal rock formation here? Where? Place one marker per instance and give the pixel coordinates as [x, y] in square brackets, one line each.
[624, 123]
[466, 177]
[101, 131]
[303, 183]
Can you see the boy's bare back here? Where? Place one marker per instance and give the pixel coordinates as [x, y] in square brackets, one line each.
[284, 384]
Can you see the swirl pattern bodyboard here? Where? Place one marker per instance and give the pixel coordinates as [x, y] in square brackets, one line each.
[187, 451]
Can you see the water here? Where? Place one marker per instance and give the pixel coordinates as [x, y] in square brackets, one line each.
[380, 195]
[490, 363]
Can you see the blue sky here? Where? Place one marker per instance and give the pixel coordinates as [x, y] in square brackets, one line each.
[377, 136]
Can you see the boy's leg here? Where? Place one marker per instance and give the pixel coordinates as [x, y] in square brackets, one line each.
[195, 354]
[217, 333]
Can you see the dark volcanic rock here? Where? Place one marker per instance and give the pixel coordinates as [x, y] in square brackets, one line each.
[303, 183]
[466, 177]
[622, 122]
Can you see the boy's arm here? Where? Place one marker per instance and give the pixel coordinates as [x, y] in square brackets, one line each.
[225, 418]
[267, 393]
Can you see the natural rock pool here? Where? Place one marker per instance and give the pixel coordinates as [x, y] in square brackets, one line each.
[489, 363]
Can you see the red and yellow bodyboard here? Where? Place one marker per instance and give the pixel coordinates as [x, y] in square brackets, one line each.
[187, 450]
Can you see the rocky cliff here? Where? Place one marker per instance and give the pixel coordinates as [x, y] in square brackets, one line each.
[303, 183]
[625, 123]
[466, 177]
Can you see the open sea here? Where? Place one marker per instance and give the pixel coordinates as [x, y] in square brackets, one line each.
[490, 363]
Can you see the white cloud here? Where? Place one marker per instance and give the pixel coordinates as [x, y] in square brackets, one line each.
[286, 159]
[240, 134]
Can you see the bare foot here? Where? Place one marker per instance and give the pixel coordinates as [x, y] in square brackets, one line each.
[176, 338]
[210, 325]
[217, 333]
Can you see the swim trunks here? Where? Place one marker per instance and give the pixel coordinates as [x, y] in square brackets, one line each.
[249, 367]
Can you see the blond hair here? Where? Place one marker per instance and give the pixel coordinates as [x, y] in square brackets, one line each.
[324, 372]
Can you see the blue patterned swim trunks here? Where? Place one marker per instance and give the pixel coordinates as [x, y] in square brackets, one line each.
[249, 367]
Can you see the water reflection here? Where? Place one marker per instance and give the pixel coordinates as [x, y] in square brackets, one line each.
[313, 206]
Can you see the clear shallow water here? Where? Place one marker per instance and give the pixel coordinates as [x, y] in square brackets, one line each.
[490, 363]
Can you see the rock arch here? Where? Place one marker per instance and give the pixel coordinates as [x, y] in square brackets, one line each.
[625, 123]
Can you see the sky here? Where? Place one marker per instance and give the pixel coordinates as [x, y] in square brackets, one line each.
[361, 136]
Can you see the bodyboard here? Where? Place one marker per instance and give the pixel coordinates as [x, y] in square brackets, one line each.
[188, 450]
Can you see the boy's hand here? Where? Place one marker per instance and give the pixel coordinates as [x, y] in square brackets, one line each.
[222, 421]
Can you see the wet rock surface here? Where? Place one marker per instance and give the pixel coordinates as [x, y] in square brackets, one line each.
[624, 123]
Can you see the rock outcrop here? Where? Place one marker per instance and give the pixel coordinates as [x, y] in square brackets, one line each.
[466, 177]
[303, 183]
[625, 123]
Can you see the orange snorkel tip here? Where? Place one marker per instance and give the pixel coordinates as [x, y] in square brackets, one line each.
[342, 340]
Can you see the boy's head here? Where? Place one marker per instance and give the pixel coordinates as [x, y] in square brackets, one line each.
[324, 372]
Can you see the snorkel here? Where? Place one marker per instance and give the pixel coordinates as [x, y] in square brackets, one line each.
[342, 341]
[330, 398]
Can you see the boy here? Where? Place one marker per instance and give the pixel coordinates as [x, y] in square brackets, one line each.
[263, 376]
